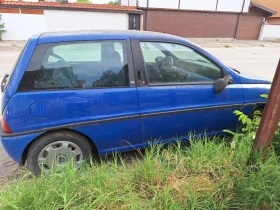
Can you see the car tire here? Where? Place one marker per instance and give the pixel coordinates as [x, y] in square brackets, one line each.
[57, 148]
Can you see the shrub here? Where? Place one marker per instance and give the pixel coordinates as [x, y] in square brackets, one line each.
[113, 2]
[2, 28]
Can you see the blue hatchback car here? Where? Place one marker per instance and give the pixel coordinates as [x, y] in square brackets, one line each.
[75, 93]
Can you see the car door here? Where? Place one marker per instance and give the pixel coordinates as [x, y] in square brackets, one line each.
[85, 86]
[176, 92]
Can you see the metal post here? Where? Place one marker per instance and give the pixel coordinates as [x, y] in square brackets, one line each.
[146, 15]
[270, 117]
[238, 22]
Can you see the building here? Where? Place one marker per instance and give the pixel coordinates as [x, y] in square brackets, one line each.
[23, 19]
[271, 28]
[237, 19]
[274, 5]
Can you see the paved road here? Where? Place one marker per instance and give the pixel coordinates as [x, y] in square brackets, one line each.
[261, 61]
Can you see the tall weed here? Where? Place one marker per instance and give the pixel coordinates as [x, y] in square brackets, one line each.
[210, 173]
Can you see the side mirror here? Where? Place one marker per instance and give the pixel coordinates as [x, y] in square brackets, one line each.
[221, 83]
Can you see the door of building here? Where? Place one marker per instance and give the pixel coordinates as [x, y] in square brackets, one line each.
[134, 22]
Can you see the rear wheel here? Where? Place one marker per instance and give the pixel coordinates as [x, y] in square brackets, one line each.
[57, 149]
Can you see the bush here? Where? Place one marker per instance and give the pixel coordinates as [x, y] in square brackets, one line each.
[2, 30]
[84, 1]
[113, 2]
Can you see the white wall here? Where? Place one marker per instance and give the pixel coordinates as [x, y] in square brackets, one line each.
[58, 20]
[172, 4]
[22, 26]
[246, 5]
[270, 32]
[142, 3]
[209, 5]
[232, 5]
[205, 5]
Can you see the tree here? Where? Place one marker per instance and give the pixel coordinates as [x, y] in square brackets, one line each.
[84, 1]
[2, 30]
[113, 2]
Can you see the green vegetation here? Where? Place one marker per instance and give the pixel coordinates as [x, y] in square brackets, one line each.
[2, 29]
[84, 1]
[113, 3]
[277, 40]
[216, 173]
[227, 46]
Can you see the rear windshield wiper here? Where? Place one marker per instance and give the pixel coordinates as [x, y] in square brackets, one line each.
[3, 83]
[234, 69]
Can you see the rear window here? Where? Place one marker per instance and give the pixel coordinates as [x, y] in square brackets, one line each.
[77, 65]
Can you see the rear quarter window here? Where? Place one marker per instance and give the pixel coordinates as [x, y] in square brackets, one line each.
[77, 65]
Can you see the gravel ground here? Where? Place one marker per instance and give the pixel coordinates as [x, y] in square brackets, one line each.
[230, 43]
[11, 45]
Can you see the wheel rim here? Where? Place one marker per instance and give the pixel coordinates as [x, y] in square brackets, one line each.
[59, 154]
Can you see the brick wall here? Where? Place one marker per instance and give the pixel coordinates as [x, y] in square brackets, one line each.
[250, 24]
[192, 24]
[274, 20]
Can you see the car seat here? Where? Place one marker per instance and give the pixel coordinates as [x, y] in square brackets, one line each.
[63, 75]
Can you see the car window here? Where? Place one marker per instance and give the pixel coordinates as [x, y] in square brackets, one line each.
[77, 65]
[86, 52]
[167, 63]
[150, 52]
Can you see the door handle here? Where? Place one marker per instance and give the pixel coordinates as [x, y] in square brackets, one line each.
[140, 75]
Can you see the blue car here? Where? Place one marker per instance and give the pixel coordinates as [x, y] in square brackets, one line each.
[75, 94]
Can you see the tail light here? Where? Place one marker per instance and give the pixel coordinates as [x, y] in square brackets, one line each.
[5, 126]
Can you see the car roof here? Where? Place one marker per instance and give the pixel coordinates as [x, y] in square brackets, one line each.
[50, 37]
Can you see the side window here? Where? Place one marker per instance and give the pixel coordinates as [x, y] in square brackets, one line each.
[167, 63]
[86, 52]
[77, 65]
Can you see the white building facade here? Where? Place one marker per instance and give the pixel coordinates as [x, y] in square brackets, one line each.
[21, 23]
[205, 5]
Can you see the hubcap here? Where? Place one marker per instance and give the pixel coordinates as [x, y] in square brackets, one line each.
[59, 154]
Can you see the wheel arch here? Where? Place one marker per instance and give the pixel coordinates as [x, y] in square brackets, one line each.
[258, 107]
[92, 143]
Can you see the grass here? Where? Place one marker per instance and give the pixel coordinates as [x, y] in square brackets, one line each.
[207, 174]
[277, 40]
[227, 46]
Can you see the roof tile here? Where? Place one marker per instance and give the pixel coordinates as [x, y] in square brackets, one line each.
[70, 5]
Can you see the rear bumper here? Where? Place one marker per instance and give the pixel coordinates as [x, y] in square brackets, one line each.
[15, 145]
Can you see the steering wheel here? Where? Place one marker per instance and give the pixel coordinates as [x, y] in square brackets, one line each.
[166, 64]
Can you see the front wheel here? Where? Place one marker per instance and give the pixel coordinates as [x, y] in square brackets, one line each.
[57, 149]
